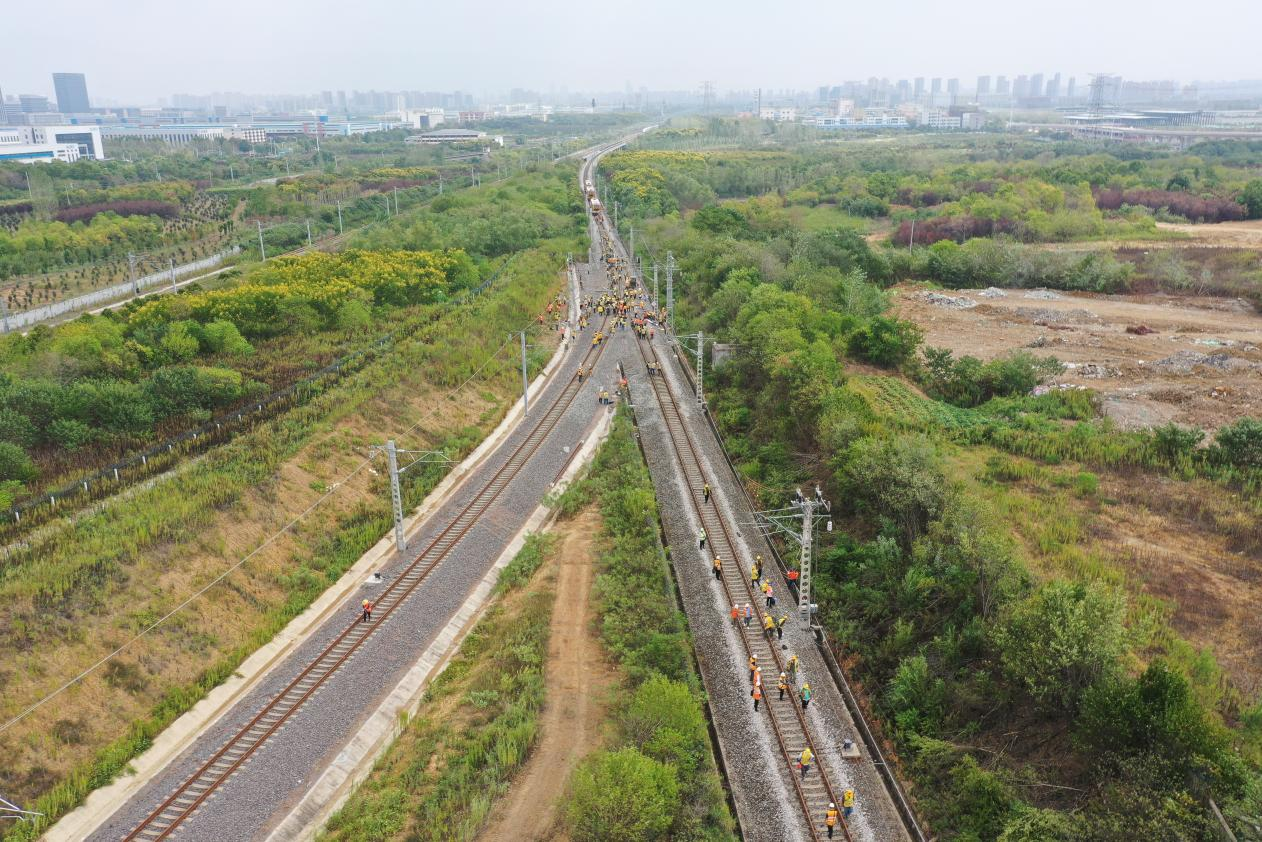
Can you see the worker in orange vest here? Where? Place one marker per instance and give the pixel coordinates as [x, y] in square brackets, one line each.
[830, 818]
[757, 694]
[367, 614]
[718, 567]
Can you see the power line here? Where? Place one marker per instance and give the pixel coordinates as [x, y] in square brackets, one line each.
[271, 539]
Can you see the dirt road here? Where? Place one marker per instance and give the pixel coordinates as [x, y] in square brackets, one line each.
[578, 682]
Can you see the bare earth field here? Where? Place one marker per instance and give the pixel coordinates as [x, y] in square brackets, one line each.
[1200, 365]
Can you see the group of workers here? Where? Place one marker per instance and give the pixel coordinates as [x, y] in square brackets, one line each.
[787, 680]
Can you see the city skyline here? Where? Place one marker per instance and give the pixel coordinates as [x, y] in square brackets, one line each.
[270, 50]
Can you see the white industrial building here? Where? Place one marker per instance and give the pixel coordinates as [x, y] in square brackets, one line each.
[50, 143]
[778, 113]
[180, 133]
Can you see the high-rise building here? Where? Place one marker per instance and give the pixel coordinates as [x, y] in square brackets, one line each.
[983, 85]
[919, 87]
[1021, 87]
[953, 86]
[1071, 88]
[1053, 87]
[1001, 85]
[935, 86]
[1036, 85]
[72, 93]
[34, 103]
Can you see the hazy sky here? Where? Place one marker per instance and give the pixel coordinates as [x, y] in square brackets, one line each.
[139, 50]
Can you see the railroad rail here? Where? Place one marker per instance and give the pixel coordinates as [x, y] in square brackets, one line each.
[189, 796]
[788, 721]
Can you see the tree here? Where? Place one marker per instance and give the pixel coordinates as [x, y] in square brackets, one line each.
[622, 796]
[885, 341]
[1251, 198]
[719, 219]
[1061, 639]
[899, 478]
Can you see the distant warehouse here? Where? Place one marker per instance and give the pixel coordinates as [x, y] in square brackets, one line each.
[446, 136]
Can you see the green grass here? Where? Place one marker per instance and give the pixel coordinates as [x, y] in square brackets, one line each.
[80, 568]
[647, 635]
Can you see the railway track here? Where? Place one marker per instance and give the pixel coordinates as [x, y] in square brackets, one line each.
[787, 720]
[190, 795]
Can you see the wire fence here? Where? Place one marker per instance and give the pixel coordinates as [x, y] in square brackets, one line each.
[26, 318]
[162, 456]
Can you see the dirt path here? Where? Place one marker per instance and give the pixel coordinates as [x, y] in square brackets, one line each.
[578, 679]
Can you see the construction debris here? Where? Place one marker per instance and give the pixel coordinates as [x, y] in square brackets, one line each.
[937, 299]
[1139, 330]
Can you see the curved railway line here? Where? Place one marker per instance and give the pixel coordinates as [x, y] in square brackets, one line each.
[189, 796]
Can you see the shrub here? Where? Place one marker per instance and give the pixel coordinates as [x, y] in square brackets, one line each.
[14, 463]
[1171, 441]
[1031, 824]
[1157, 715]
[69, 434]
[1186, 205]
[16, 428]
[900, 479]
[915, 697]
[969, 382]
[1240, 443]
[885, 341]
[1251, 198]
[1061, 639]
[665, 722]
[622, 795]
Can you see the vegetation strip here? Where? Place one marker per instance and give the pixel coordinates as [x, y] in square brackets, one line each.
[1032, 686]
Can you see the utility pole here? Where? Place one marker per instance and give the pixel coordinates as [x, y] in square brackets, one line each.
[131, 273]
[615, 215]
[633, 250]
[657, 303]
[440, 184]
[912, 242]
[797, 522]
[396, 201]
[339, 217]
[172, 270]
[396, 496]
[525, 382]
[4, 310]
[308, 233]
[700, 363]
[262, 250]
[670, 291]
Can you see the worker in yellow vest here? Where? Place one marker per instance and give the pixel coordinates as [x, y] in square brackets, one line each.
[847, 802]
[830, 818]
[805, 761]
